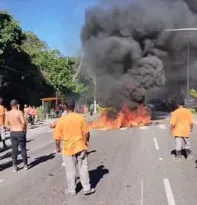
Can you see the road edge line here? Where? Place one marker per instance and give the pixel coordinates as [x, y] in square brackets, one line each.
[169, 193]
[156, 144]
[142, 192]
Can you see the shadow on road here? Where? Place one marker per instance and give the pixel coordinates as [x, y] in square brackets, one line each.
[30, 140]
[9, 154]
[41, 159]
[9, 164]
[90, 152]
[5, 149]
[95, 176]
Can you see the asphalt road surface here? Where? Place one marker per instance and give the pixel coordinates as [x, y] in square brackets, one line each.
[127, 167]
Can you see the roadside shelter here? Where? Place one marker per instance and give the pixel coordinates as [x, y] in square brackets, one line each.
[49, 106]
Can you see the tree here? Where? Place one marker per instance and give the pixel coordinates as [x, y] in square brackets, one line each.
[29, 69]
[11, 35]
[58, 71]
[19, 75]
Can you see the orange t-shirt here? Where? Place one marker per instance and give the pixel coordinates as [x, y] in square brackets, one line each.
[71, 129]
[2, 115]
[182, 119]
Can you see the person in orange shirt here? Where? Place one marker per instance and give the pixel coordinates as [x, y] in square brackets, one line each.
[2, 123]
[181, 126]
[73, 130]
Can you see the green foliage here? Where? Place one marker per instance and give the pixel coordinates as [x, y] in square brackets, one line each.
[40, 113]
[193, 93]
[29, 70]
[11, 34]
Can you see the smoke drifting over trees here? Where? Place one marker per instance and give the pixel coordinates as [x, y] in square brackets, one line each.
[130, 52]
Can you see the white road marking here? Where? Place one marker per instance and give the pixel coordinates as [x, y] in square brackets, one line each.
[162, 126]
[169, 193]
[160, 158]
[142, 144]
[156, 144]
[1, 180]
[143, 128]
[142, 192]
[123, 128]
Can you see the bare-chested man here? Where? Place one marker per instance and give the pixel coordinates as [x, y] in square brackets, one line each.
[16, 123]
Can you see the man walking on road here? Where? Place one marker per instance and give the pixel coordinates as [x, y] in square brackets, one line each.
[91, 109]
[15, 122]
[2, 123]
[73, 130]
[181, 126]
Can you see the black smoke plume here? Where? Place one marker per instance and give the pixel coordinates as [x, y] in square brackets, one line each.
[128, 48]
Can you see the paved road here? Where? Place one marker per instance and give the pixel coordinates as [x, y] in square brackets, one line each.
[127, 167]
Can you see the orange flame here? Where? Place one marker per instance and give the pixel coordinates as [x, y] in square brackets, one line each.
[125, 118]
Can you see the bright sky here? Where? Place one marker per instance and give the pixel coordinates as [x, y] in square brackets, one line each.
[58, 22]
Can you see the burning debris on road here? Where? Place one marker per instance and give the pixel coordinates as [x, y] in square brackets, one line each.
[124, 118]
[127, 48]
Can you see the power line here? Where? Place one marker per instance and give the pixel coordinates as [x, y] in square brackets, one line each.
[18, 71]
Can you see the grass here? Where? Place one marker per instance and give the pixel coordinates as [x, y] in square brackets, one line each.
[193, 111]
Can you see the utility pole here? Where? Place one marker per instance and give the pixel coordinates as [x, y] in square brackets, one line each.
[95, 104]
[188, 71]
[56, 95]
[188, 56]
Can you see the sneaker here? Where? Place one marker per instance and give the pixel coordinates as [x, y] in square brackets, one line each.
[25, 167]
[178, 159]
[71, 193]
[63, 165]
[15, 169]
[189, 157]
[91, 191]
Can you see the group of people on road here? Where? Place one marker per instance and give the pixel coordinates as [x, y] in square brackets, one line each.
[30, 113]
[72, 131]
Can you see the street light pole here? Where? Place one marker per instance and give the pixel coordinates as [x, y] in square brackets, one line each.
[188, 56]
[95, 105]
[188, 71]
